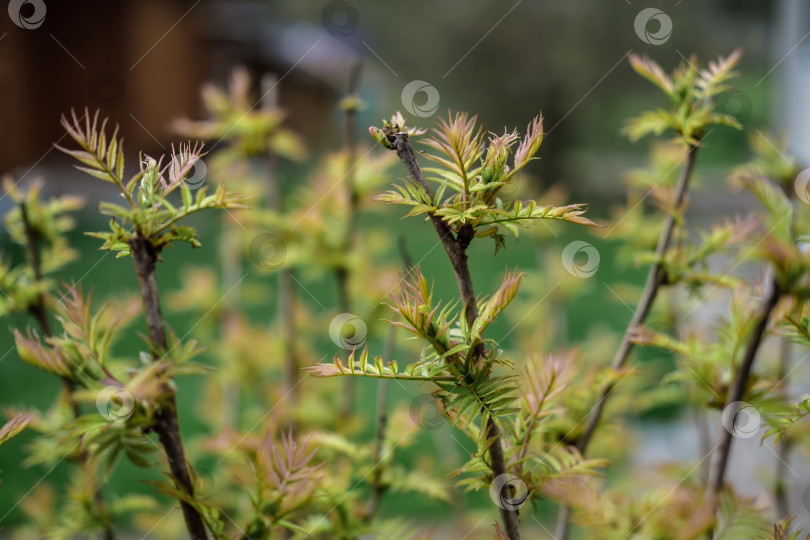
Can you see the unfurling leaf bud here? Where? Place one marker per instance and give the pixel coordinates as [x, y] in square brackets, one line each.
[497, 154]
[381, 137]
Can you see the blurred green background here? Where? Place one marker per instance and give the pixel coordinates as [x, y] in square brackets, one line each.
[142, 64]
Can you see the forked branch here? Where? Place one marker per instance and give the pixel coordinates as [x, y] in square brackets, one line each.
[455, 246]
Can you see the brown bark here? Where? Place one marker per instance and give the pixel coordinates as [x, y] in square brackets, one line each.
[342, 273]
[725, 437]
[286, 288]
[455, 247]
[656, 278]
[144, 255]
[39, 312]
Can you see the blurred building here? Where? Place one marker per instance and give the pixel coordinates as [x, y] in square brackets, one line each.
[142, 64]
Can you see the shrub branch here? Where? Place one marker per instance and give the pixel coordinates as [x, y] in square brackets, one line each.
[455, 247]
[656, 278]
[737, 393]
[37, 309]
[145, 255]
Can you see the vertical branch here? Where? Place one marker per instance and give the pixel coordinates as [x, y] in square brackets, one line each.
[704, 437]
[455, 247]
[724, 438]
[780, 483]
[37, 309]
[378, 488]
[231, 272]
[655, 279]
[286, 286]
[144, 255]
[342, 272]
[780, 486]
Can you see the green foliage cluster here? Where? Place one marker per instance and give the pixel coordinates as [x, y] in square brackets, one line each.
[289, 456]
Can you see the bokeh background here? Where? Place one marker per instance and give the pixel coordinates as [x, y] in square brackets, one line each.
[142, 63]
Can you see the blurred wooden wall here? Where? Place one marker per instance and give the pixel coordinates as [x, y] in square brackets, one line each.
[123, 57]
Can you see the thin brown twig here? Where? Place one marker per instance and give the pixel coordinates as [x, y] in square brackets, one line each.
[524, 447]
[456, 249]
[655, 279]
[780, 485]
[145, 255]
[286, 286]
[378, 487]
[39, 312]
[342, 273]
[725, 436]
